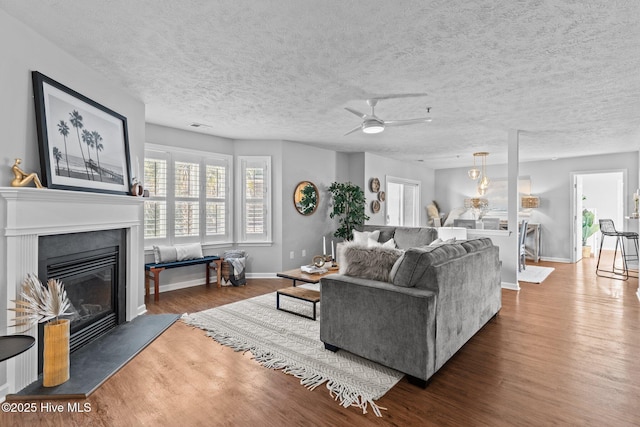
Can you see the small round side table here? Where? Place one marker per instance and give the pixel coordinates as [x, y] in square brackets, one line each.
[13, 345]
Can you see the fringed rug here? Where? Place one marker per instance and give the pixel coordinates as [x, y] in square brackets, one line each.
[280, 340]
[534, 274]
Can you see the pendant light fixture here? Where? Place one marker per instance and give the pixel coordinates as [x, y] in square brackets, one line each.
[474, 173]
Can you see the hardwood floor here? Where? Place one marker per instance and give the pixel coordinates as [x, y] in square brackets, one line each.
[565, 352]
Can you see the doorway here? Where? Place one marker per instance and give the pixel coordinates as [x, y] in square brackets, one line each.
[602, 193]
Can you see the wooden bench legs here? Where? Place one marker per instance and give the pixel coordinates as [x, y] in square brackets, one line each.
[154, 272]
[218, 268]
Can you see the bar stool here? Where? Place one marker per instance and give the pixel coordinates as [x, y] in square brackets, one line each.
[608, 229]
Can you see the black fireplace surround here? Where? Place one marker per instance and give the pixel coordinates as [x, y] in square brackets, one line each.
[92, 267]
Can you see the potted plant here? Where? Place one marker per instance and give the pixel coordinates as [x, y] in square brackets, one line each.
[348, 206]
[588, 229]
[45, 304]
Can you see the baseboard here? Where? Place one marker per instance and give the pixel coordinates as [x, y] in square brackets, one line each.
[198, 282]
[179, 285]
[261, 275]
[4, 390]
[142, 309]
[553, 259]
[511, 286]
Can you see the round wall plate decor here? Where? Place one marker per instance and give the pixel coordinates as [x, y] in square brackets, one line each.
[374, 185]
[381, 196]
[375, 206]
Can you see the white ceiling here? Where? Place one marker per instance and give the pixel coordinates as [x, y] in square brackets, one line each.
[566, 73]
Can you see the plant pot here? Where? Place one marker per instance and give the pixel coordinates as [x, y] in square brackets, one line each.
[586, 251]
[56, 353]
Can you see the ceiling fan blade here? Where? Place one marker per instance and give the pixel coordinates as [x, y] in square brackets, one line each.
[355, 129]
[399, 95]
[407, 122]
[356, 112]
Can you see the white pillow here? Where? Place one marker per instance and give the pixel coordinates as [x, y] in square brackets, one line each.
[440, 242]
[163, 254]
[394, 269]
[362, 237]
[389, 244]
[454, 214]
[189, 251]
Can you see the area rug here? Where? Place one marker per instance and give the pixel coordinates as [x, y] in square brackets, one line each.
[291, 343]
[534, 274]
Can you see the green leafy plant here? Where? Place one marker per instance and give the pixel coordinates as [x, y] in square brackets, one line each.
[588, 227]
[348, 206]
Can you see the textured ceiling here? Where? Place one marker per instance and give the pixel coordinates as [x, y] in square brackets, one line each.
[566, 73]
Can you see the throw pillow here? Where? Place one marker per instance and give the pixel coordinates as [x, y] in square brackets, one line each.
[189, 251]
[362, 237]
[388, 244]
[439, 242]
[370, 263]
[164, 254]
[432, 211]
[454, 214]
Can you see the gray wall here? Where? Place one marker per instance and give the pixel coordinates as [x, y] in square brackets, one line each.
[379, 167]
[550, 180]
[306, 163]
[23, 51]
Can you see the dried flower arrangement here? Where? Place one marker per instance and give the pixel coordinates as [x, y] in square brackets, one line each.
[40, 303]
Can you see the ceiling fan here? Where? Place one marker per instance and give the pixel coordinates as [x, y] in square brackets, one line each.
[373, 124]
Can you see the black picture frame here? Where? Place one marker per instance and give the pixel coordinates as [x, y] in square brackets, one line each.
[84, 146]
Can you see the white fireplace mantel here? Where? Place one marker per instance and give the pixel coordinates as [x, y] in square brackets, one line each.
[28, 213]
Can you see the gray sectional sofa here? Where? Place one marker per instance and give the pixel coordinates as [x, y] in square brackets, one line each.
[437, 298]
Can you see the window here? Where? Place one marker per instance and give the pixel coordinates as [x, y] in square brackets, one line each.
[155, 209]
[189, 196]
[403, 202]
[255, 222]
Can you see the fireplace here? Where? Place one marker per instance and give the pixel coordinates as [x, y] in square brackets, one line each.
[26, 215]
[91, 265]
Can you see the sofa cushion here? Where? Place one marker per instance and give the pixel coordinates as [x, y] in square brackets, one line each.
[413, 237]
[386, 231]
[416, 261]
[474, 245]
[370, 263]
[362, 237]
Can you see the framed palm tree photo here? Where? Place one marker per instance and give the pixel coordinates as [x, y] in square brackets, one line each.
[84, 146]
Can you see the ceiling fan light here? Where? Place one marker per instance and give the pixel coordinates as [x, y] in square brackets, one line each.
[374, 127]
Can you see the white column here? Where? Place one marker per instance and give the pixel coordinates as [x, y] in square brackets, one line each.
[510, 259]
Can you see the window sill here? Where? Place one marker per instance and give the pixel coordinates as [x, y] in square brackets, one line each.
[250, 243]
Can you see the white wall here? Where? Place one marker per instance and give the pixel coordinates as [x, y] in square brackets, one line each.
[550, 180]
[23, 51]
[379, 167]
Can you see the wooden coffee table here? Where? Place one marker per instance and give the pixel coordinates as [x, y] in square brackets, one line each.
[302, 294]
[298, 276]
